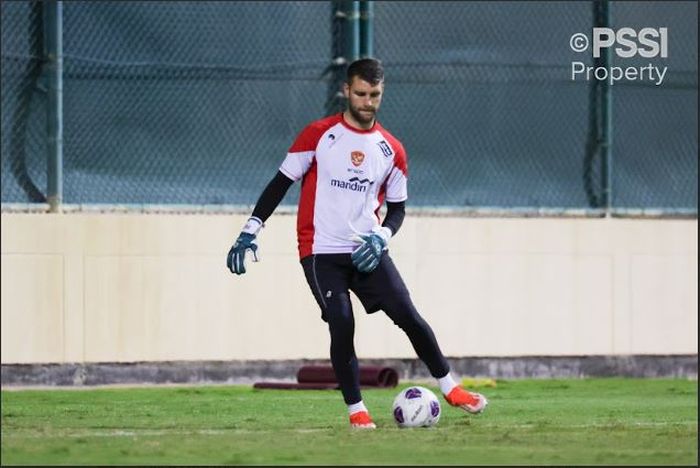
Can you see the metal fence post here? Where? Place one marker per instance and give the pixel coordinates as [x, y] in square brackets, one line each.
[366, 29]
[345, 49]
[599, 142]
[352, 31]
[53, 56]
[603, 19]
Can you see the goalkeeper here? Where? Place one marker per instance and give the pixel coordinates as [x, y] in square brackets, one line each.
[349, 165]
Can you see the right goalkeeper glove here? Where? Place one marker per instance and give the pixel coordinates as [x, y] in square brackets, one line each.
[367, 256]
[245, 242]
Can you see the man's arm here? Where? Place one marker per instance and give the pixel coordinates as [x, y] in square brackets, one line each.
[395, 213]
[269, 199]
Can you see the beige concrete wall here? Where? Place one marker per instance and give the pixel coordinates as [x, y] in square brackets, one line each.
[86, 287]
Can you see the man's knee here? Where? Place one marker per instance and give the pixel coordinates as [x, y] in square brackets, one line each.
[402, 312]
[338, 314]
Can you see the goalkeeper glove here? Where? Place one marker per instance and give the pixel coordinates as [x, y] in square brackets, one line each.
[245, 242]
[367, 256]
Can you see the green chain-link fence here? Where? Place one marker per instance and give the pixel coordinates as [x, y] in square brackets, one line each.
[176, 102]
[482, 96]
[655, 142]
[197, 102]
[23, 104]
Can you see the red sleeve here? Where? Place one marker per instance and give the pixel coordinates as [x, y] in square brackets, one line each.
[400, 159]
[307, 140]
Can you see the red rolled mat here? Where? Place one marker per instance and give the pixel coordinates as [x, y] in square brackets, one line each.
[323, 377]
[296, 386]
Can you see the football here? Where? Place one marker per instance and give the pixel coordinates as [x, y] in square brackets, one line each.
[416, 407]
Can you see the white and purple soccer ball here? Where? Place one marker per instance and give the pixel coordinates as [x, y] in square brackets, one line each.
[416, 407]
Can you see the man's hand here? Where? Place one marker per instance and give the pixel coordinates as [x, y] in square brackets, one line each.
[245, 242]
[367, 256]
[236, 256]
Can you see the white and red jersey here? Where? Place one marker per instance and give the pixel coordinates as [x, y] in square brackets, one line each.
[347, 174]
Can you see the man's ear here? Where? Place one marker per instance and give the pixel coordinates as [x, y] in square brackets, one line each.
[346, 90]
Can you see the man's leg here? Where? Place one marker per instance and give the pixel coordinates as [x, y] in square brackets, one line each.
[341, 325]
[385, 290]
[328, 278]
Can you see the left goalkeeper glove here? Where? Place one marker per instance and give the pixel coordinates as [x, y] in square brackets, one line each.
[235, 261]
[367, 256]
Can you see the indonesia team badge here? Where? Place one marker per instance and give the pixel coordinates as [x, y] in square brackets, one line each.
[357, 157]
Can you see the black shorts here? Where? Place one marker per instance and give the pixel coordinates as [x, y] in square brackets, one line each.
[329, 274]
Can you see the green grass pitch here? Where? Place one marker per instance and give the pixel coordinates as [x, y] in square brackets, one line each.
[531, 422]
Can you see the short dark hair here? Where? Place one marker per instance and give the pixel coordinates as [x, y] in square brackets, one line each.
[368, 69]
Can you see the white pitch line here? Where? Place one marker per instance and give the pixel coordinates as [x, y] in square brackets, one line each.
[163, 432]
[592, 426]
[150, 433]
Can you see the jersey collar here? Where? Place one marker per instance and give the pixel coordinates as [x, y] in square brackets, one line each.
[357, 130]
